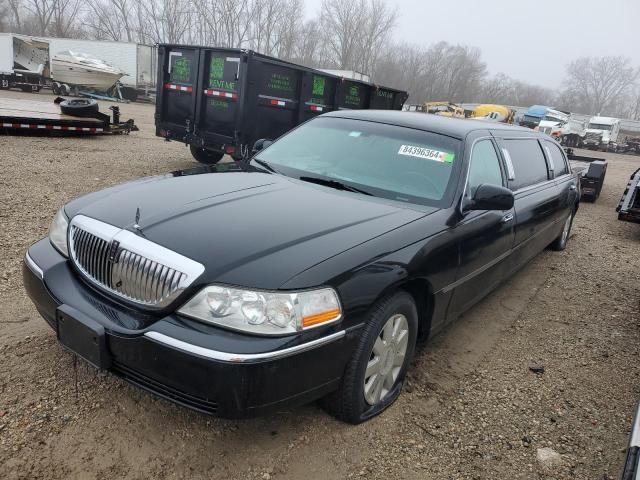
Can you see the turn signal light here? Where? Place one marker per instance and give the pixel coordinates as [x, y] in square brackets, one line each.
[319, 318]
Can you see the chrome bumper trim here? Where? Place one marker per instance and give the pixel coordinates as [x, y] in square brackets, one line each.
[242, 357]
[33, 266]
[129, 266]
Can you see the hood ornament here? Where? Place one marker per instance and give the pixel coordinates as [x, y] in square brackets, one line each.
[136, 225]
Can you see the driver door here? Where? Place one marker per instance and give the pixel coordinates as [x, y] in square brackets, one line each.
[485, 237]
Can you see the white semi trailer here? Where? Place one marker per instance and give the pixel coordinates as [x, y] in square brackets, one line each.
[24, 62]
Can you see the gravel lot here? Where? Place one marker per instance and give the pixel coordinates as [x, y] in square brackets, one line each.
[472, 409]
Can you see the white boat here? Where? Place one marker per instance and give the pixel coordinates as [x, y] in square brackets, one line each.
[75, 68]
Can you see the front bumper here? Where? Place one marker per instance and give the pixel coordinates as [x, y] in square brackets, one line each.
[199, 366]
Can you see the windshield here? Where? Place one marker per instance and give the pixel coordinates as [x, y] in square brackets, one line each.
[549, 118]
[529, 118]
[599, 126]
[387, 161]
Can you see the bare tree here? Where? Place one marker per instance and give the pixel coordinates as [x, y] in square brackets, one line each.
[355, 31]
[64, 18]
[594, 84]
[42, 12]
[111, 20]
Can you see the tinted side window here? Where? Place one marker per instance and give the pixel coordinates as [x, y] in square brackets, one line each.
[528, 161]
[559, 163]
[484, 168]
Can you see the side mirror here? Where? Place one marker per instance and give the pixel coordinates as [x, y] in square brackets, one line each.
[490, 197]
[261, 144]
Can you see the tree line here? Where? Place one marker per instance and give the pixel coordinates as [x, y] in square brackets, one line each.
[344, 34]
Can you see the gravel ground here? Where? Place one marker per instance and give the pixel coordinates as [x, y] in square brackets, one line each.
[472, 409]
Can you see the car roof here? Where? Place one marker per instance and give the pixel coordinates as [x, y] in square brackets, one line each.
[453, 127]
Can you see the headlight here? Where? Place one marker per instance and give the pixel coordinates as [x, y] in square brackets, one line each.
[58, 232]
[264, 313]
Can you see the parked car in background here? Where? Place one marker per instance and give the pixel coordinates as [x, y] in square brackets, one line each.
[308, 272]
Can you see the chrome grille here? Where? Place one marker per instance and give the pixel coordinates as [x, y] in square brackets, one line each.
[127, 265]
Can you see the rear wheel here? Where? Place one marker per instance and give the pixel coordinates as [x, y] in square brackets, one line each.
[560, 243]
[375, 374]
[55, 88]
[208, 157]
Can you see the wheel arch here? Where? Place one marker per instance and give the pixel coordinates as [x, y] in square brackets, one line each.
[421, 291]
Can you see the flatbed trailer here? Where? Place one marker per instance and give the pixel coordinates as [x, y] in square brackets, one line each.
[591, 171]
[33, 116]
[629, 206]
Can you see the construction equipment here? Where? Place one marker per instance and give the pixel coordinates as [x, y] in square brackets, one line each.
[444, 109]
[494, 113]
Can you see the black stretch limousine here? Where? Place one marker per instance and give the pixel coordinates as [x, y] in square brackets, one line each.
[308, 272]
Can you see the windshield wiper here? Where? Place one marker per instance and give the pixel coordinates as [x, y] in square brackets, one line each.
[265, 165]
[334, 184]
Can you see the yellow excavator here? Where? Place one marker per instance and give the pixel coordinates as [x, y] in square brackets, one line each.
[444, 109]
[496, 113]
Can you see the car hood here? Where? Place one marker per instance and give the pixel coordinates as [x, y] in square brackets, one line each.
[247, 228]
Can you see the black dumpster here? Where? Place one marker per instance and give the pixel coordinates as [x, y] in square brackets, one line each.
[220, 100]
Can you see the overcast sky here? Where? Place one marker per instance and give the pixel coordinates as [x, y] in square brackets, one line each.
[531, 40]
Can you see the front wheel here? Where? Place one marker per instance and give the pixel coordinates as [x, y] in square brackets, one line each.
[208, 157]
[560, 243]
[375, 374]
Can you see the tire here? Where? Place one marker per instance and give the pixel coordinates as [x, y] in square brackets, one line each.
[357, 398]
[208, 157]
[79, 107]
[560, 243]
[55, 88]
[64, 89]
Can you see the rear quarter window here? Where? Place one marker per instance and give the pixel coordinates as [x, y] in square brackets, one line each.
[529, 164]
[559, 163]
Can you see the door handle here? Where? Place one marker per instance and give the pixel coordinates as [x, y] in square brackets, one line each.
[507, 218]
[572, 187]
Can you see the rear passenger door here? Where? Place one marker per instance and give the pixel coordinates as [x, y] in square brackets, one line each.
[537, 197]
[565, 180]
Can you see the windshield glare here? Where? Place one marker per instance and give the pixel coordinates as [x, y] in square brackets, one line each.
[387, 161]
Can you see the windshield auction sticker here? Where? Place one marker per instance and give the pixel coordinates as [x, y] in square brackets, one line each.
[426, 153]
